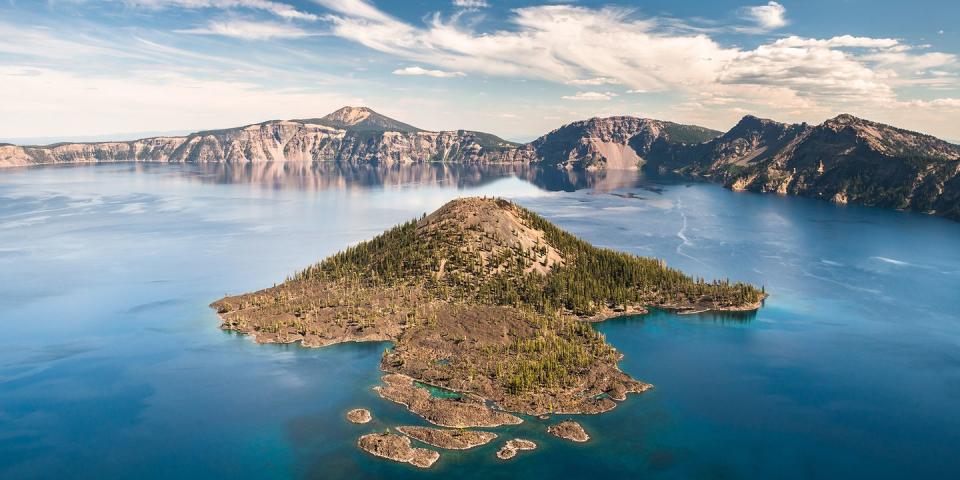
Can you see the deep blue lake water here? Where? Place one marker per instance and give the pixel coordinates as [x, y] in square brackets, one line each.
[113, 366]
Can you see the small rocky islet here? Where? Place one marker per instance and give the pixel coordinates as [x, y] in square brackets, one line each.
[359, 415]
[569, 430]
[487, 301]
[510, 449]
[397, 448]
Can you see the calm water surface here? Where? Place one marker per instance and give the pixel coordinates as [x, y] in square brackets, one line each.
[112, 366]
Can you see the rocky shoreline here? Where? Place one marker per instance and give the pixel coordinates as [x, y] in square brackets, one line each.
[569, 430]
[465, 412]
[359, 415]
[510, 449]
[450, 439]
[397, 448]
[488, 307]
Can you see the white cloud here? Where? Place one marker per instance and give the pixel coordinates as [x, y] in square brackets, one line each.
[279, 9]
[817, 72]
[420, 71]
[843, 41]
[54, 99]
[788, 78]
[768, 17]
[356, 9]
[937, 102]
[248, 30]
[558, 42]
[471, 4]
[585, 46]
[590, 96]
[594, 81]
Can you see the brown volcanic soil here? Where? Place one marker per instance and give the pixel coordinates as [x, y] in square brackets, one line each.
[510, 449]
[359, 415]
[569, 430]
[397, 448]
[449, 439]
[467, 411]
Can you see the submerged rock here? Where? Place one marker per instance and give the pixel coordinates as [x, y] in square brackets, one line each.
[453, 439]
[359, 415]
[397, 448]
[569, 430]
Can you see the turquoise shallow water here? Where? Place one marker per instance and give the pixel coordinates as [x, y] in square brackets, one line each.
[112, 366]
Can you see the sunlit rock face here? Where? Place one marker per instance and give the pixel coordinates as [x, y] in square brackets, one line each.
[360, 135]
[159, 149]
[351, 135]
[613, 143]
[845, 160]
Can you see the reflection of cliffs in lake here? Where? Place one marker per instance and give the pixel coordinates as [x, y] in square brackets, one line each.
[344, 176]
[568, 180]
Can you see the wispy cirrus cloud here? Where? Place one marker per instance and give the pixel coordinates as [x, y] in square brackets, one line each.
[279, 9]
[357, 9]
[586, 46]
[248, 30]
[596, 57]
[471, 4]
[38, 96]
[420, 71]
[50, 75]
[590, 96]
[594, 81]
[842, 41]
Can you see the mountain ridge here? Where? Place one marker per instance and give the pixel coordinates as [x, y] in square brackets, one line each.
[845, 159]
[350, 134]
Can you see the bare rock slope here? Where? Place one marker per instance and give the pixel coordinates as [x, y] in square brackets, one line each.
[351, 134]
[844, 160]
[361, 135]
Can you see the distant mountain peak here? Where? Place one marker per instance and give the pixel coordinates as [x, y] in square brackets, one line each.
[362, 120]
[845, 119]
[753, 121]
[350, 115]
[754, 127]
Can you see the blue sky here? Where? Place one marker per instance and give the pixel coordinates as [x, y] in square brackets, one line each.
[75, 68]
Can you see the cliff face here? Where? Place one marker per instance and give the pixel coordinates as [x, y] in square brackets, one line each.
[751, 141]
[612, 143]
[298, 141]
[360, 135]
[157, 149]
[845, 160]
[352, 135]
